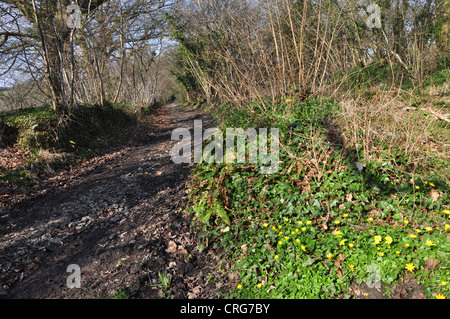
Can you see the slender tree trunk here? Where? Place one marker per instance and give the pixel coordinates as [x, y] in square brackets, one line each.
[53, 44]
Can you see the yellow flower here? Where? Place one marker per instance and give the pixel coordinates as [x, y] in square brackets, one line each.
[258, 285]
[300, 223]
[265, 225]
[280, 243]
[345, 215]
[418, 231]
[389, 240]
[286, 219]
[297, 240]
[337, 222]
[280, 233]
[308, 222]
[303, 248]
[428, 228]
[296, 230]
[239, 286]
[447, 227]
[352, 267]
[443, 283]
[292, 232]
[406, 245]
[405, 222]
[370, 219]
[276, 257]
[397, 252]
[350, 245]
[446, 211]
[274, 228]
[342, 242]
[377, 239]
[337, 232]
[286, 237]
[417, 187]
[412, 236]
[431, 184]
[410, 267]
[330, 255]
[430, 243]
[440, 296]
[288, 101]
[280, 226]
[426, 182]
[303, 228]
[381, 254]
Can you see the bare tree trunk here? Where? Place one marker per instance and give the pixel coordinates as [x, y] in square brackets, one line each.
[51, 57]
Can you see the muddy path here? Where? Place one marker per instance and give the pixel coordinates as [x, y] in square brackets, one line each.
[120, 218]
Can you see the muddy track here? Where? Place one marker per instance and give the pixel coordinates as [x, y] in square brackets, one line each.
[119, 219]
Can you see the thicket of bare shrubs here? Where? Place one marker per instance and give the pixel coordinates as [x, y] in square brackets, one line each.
[21, 96]
[245, 50]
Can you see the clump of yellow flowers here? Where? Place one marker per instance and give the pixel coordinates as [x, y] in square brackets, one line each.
[377, 239]
[388, 240]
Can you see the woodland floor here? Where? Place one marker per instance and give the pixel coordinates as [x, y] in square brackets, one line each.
[119, 216]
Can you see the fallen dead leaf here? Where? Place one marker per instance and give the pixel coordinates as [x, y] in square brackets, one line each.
[219, 285]
[191, 295]
[434, 195]
[432, 263]
[271, 288]
[197, 290]
[172, 247]
[407, 278]
[233, 276]
[306, 188]
[349, 197]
